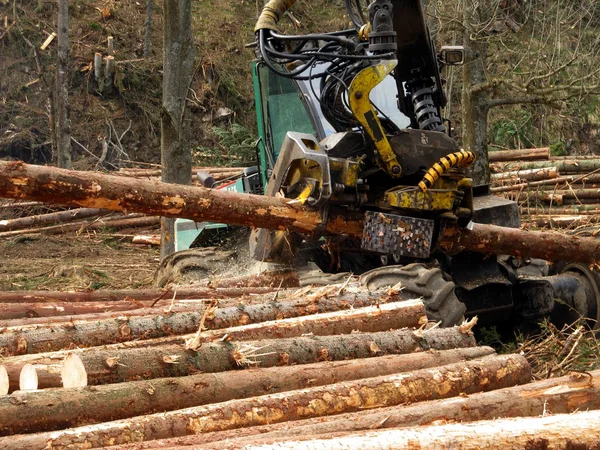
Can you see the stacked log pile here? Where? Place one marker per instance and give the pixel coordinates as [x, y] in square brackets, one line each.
[562, 192]
[271, 367]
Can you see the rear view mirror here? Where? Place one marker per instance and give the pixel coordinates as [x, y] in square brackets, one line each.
[452, 55]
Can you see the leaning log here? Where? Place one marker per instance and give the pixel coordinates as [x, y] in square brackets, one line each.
[53, 185]
[119, 362]
[426, 384]
[564, 431]
[234, 323]
[53, 409]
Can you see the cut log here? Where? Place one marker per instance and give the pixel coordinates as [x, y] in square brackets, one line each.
[26, 312]
[113, 223]
[578, 430]
[38, 338]
[524, 154]
[555, 395]
[73, 372]
[182, 292]
[124, 362]
[526, 175]
[61, 408]
[28, 379]
[3, 381]
[563, 166]
[53, 185]
[440, 382]
[524, 186]
[146, 239]
[550, 246]
[45, 219]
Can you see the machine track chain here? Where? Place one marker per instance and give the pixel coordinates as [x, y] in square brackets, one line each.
[420, 281]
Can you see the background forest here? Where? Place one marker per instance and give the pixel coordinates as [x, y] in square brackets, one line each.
[532, 78]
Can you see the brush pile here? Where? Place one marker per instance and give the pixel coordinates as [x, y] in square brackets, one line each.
[561, 192]
[276, 366]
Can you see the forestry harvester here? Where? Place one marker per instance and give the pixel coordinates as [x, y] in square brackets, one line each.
[351, 121]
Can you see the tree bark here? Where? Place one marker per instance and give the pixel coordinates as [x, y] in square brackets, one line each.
[521, 186]
[63, 132]
[525, 154]
[14, 314]
[528, 175]
[45, 219]
[555, 396]
[56, 409]
[178, 63]
[38, 338]
[426, 384]
[124, 362]
[18, 180]
[140, 295]
[578, 430]
[563, 166]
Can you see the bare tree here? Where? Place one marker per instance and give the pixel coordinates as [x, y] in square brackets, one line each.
[178, 63]
[63, 132]
[521, 52]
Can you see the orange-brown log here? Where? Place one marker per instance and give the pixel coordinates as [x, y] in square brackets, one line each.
[492, 372]
[53, 185]
[524, 154]
[45, 219]
[275, 320]
[145, 360]
[29, 312]
[52, 409]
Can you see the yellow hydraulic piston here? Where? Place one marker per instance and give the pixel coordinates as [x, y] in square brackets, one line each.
[363, 110]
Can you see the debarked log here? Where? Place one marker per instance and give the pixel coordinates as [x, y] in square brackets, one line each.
[52, 409]
[53, 185]
[492, 372]
[118, 363]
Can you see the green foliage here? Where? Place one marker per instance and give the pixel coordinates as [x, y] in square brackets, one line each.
[95, 26]
[236, 147]
[559, 149]
[513, 132]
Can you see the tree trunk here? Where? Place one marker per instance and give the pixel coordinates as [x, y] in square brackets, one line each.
[15, 314]
[140, 295]
[122, 362]
[37, 338]
[475, 105]
[55, 409]
[45, 219]
[18, 180]
[426, 384]
[555, 395]
[529, 175]
[521, 186]
[574, 431]
[178, 63]
[148, 28]
[525, 154]
[63, 150]
[567, 166]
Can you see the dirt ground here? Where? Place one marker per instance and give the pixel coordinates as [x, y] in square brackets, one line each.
[88, 261]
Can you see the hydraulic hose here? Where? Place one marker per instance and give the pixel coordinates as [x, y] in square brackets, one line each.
[271, 13]
[461, 159]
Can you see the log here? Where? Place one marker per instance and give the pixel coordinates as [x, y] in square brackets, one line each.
[276, 279]
[181, 293]
[547, 245]
[44, 219]
[146, 239]
[528, 175]
[440, 382]
[28, 312]
[524, 154]
[563, 166]
[123, 362]
[4, 384]
[524, 186]
[563, 431]
[37, 338]
[556, 395]
[53, 409]
[114, 223]
[53, 185]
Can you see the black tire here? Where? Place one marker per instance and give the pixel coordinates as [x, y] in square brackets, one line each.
[420, 281]
[192, 265]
